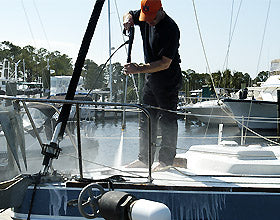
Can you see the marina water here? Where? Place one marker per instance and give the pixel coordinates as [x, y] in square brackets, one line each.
[105, 144]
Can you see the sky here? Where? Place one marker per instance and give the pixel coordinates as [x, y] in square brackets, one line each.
[60, 25]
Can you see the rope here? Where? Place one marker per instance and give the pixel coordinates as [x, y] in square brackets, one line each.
[227, 175]
[106, 166]
[230, 116]
[208, 66]
[252, 131]
[203, 48]
[249, 113]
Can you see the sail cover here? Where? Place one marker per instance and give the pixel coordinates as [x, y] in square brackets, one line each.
[64, 114]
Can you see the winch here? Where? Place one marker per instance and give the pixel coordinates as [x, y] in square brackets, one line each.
[118, 205]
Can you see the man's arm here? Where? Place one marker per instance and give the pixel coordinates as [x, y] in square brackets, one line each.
[133, 68]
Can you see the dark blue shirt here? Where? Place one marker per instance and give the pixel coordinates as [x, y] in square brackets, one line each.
[160, 40]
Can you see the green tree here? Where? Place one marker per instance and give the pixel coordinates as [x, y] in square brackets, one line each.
[35, 60]
[226, 80]
[195, 80]
[9, 51]
[217, 76]
[237, 79]
[94, 77]
[118, 81]
[247, 79]
[62, 64]
[28, 54]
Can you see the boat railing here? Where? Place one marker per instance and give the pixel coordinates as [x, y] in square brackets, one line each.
[78, 103]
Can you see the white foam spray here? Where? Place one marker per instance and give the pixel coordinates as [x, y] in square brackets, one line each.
[118, 157]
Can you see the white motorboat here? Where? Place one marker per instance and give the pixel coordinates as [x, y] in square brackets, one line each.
[259, 109]
[210, 112]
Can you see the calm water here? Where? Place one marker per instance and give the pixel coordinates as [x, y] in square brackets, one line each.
[102, 142]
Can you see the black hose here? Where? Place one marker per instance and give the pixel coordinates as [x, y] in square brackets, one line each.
[104, 65]
[37, 179]
[129, 42]
[32, 200]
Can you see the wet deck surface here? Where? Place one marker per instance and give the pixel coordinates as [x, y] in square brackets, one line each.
[6, 215]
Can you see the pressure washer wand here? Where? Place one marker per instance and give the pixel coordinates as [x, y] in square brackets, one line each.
[130, 43]
[130, 39]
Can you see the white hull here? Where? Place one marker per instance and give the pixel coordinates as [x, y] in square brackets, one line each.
[211, 112]
[254, 114]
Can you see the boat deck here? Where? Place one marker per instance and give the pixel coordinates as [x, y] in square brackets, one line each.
[176, 178]
[6, 215]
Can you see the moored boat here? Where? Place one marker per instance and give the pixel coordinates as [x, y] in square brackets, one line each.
[258, 109]
[211, 112]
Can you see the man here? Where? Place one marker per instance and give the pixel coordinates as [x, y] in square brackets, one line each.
[160, 35]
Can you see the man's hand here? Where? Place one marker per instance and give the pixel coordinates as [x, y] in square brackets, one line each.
[127, 21]
[156, 66]
[131, 68]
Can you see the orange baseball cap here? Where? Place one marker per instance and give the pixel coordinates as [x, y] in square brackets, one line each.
[149, 9]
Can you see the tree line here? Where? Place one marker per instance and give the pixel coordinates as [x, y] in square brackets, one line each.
[231, 80]
[39, 62]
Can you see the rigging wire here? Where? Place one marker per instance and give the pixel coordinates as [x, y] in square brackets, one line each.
[120, 24]
[45, 34]
[43, 28]
[231, 34]
[260, 53]
[132, 76]
[205, 56]
[204, 51]
[230, 26]
[264, 32]
[28, 23]
[203, 48]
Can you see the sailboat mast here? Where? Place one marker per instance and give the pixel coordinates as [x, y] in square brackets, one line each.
[65, 111]
[110, 48]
